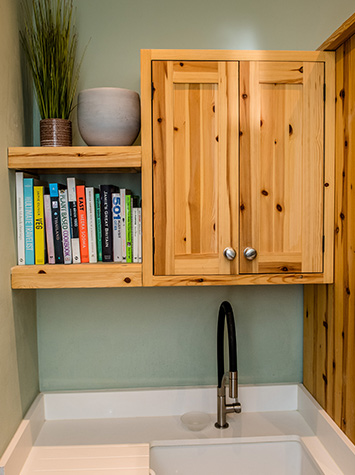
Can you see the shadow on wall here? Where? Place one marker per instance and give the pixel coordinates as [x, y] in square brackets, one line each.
[24, 314]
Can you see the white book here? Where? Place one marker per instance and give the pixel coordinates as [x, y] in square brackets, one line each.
[20, 219]
[65, 224]
[117, 227]
[91, 223]
[139, 234]
[73, 216]
[49, 228]
[135, 235]
[123, 220]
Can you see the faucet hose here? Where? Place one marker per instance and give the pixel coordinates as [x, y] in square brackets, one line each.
[226, 314]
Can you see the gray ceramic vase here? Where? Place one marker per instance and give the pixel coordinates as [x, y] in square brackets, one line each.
[108, 116]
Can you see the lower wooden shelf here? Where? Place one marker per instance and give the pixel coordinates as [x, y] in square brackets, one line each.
[60, 276]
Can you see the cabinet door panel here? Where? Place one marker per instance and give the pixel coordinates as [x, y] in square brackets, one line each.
[281, 166]
[195, 165]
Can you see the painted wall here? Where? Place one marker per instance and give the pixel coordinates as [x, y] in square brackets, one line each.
[164, 337]
[18, 342]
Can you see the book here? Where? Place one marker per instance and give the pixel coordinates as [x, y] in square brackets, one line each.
[91, 223]
[65, 224]
[117, 227]
[135, 229]
[106, 221]
[123, 226]
[140, 234]
[135, 235]
[39, 231]
[82, 222]
[20, 219]
[29, 221]
[73, 217]
[56, 223]
[49, 229]
[128, 212]
[98, 226]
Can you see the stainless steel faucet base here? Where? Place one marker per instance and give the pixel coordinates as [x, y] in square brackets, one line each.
[222, 407]
[217, 426]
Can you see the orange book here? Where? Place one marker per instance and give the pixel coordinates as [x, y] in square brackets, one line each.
[83, 231]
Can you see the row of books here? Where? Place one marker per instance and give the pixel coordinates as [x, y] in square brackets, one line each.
[74, 223]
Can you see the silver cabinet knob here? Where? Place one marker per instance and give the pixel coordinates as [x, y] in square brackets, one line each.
[229, 253]
[249, 253]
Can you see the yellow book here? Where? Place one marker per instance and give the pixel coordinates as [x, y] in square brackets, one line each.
[39, 225]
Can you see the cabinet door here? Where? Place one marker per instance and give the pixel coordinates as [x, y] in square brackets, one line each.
[281, 166]
[195, 166]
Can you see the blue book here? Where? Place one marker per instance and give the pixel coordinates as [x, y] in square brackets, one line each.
[29, 221]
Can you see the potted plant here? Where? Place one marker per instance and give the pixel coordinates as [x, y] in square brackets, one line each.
[50, 42]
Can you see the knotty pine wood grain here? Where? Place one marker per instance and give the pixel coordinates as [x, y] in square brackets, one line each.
[98, 275]
[197, 56]
[329, 311]
[195, 166]
[52, 159]
[281, 166]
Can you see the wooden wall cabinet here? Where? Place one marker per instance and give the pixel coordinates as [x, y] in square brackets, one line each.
[238, 152]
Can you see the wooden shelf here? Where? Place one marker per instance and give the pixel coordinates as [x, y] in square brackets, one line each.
[60, 276]
[53, 160]
[44, 160]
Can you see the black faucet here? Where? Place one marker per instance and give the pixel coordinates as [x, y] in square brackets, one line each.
[226, 313]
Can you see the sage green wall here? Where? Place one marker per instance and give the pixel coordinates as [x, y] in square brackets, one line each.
[167, 336]
[18, 339]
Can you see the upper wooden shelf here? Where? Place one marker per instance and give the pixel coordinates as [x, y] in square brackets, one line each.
[75, 159]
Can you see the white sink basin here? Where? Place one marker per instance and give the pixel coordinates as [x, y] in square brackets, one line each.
[253, 456]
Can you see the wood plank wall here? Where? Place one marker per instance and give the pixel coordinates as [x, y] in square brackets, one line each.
[329, 310]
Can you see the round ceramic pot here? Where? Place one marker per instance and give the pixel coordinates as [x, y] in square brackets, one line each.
[55, 133]
[108, 116]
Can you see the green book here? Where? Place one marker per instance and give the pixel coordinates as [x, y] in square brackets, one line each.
[98, 226]
[128, 211]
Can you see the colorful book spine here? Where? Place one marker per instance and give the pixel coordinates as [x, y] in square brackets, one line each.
[135, 235]
[65, 224]
[140, 234]
[20, 219]
[135, 229]
[98, 226]
[57, 228]
[29, 221]
[123, 220]
[49, 229]
[74, 222]
[117, 227]
[106, 218]
[39, 230]
[128, 210]
[91, 223]
[83, 233]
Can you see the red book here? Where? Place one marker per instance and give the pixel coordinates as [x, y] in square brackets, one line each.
[83, 231]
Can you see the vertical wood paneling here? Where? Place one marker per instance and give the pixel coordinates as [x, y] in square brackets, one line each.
[329, 320]
[349, 329]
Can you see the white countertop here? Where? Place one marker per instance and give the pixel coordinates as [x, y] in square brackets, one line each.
[66, 425]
